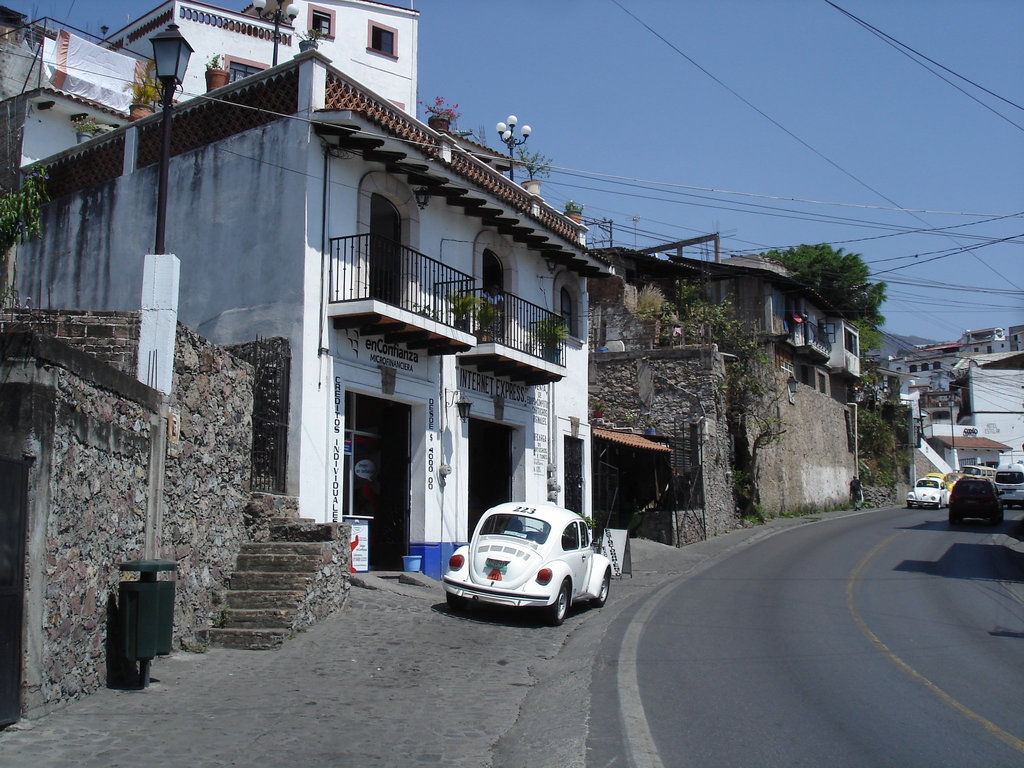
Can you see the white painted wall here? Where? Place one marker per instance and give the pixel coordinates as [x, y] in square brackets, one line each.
[210, 30]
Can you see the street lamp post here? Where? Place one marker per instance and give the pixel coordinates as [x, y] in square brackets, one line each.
[170, 53]
[506, 131]
[277, 15]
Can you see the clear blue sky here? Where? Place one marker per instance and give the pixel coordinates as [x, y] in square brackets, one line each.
[675, 119]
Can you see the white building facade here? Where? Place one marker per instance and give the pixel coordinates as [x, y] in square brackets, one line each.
[350, 230]
[374, 43]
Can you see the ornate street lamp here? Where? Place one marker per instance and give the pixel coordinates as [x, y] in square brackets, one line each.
[506, 131]
[277, 15]
[171, 52]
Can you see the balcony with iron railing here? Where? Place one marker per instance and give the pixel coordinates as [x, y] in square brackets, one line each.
[381, 287]
[517, 337]
[809, 338]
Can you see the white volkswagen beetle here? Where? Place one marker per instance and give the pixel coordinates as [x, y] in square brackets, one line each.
[534, 555]
[929, 492]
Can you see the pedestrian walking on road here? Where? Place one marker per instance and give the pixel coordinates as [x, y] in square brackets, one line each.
[856, 492]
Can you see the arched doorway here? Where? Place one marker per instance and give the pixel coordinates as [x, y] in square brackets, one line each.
[385, 250]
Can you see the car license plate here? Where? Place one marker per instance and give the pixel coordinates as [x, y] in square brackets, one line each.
[495, 568]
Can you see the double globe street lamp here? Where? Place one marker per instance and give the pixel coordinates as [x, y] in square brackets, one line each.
[277, 15]
[506, 131]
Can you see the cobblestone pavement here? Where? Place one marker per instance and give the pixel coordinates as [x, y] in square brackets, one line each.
[393, 680]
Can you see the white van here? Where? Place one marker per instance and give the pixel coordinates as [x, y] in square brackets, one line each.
[1010, 482]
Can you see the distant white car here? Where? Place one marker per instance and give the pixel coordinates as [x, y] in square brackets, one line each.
[528, 555]
[929, 492]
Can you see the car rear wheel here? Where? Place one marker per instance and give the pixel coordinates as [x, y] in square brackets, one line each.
[602, 595]
[556, 612]
[954, 519]
[456, 603]
[996, 519]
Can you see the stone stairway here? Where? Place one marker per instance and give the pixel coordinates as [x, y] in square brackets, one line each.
[275, 581]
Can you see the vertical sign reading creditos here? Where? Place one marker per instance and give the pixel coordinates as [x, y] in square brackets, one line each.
[337, 452]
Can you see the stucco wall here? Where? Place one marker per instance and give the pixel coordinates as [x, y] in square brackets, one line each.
[811, 466]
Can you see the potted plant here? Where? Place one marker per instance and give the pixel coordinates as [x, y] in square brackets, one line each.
[574, 211]
[550, 333]
[310, 39]
[216, 75]
[487, 315]
[85, 127]
[537, 167]
[440, 114]
[463, 305]
[146, 92]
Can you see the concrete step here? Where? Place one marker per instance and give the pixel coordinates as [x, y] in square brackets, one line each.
[285, 562]
[261, 618]
[259, 580]
[314, 548]
[303, 530]
[253, 599]
[248, 639]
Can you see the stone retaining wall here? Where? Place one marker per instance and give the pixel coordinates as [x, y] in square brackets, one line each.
[667, 389]
[90, 431]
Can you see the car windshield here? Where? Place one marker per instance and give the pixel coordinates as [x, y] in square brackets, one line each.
[927, 483]
[1011, 477]
[517, 526]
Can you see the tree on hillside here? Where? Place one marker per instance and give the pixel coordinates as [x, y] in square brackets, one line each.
[19, 222]
[842, 280]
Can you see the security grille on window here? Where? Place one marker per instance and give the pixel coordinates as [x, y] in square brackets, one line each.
[382, 40]
[321, 22]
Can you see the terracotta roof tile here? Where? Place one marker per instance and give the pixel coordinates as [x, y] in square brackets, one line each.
[629, 439]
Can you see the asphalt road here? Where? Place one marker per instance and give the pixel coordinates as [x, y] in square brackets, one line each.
[877, 639]
[746, 649]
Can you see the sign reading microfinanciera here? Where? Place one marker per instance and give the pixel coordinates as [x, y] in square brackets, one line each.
[373, 351]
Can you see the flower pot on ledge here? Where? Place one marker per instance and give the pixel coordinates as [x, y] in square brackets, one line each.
[216, 78]
[532, 186]
[439, 123]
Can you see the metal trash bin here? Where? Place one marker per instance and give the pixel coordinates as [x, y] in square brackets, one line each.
[146, 609]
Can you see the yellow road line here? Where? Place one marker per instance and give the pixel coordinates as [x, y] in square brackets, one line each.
[1007, 738]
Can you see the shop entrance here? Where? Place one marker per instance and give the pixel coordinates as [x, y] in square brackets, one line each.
[377, 474]
[490, 467]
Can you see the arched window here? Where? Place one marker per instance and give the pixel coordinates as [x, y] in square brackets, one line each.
[568, 310]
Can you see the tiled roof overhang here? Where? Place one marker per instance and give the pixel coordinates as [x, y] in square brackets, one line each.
[971, 442]
[629, 440]
[451, 172]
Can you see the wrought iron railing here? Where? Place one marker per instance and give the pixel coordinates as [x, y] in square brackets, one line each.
[521, 325]
[807, 334]
[373, 267]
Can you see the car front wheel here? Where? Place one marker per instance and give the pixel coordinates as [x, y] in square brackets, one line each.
[602, 595]
[556, 612]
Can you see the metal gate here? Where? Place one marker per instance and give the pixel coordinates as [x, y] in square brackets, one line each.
[271, 361]
[574, 474]
[13, 506]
